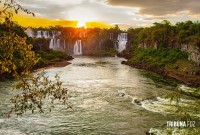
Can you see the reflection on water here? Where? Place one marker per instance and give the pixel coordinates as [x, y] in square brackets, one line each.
[102, 93]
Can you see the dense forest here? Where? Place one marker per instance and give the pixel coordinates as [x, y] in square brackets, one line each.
[172, 47]
[163, 47]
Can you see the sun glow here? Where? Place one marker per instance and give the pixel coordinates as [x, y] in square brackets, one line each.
[81, 24]
[82, 15]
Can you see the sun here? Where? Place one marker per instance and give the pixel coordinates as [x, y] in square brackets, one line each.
[81, 24]
[82, 15]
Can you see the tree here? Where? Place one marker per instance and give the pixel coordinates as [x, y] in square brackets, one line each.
[17, 59]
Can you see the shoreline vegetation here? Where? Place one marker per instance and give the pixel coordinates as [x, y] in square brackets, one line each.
[47, 59]
[173, 64]
[171, 50]
[52, 58]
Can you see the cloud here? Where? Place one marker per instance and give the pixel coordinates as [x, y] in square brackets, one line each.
[50, 9]
[62, 9]
[126, 13]
[160, 7]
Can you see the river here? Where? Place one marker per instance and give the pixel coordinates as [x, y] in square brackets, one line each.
[103, 93]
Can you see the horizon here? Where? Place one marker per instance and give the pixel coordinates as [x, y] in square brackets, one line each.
[106, 13]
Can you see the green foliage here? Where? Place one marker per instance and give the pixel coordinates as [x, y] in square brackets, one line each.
[18, 59]
[195, 40]
[17, 29]
[15, 55]
[38, 93]
[157, 58]
[184, 67]
[50, 55]
[167, 35]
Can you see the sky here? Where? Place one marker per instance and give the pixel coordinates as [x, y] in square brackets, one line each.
[106, 13]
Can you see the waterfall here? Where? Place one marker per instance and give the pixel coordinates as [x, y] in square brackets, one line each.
[58, 43]
[122, 40]
[110, 37]
[39, 34]
[53, 34]
[78, 48]
[29, 32]
[45, 34]
[54, 44]
[51, 44]
[59, 33]
[49, 36]
[115, 45]
[55, 41]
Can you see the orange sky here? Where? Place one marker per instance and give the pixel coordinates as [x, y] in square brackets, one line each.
[125, 13]
[27, 21]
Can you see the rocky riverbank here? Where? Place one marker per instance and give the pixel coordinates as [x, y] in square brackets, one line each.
[191, 80]
[171, 63]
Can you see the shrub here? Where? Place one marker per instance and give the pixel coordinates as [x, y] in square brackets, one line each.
[157, 58]
[50, 55]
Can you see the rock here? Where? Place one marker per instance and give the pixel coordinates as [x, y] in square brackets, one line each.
[137, 101]
[122, 94]
[123, 62]
[147, 133]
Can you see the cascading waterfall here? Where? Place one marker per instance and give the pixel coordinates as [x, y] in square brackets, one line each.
[45, 34]
[78, 48]
[39, 34]
[122, 40]
[30, 32]
[51, 45]
[42, 34]
[111, 36]
[55, 42]
[58, 43]
[115, 45]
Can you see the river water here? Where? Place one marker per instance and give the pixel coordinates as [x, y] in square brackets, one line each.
[103, 93]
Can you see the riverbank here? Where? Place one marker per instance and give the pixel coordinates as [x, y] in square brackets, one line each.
[47, 59]
[51, 58]
[54, 65]
[183, 78]
[63, 63]
[179, 68]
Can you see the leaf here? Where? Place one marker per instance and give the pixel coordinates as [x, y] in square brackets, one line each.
[16, 11]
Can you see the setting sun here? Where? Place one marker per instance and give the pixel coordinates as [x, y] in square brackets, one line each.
[82, 15]
[81, 24]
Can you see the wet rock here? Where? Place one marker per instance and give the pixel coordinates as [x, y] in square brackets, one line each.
[121, 94]
[147, 133]
[137, 101]
[123, 62]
